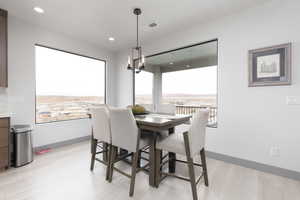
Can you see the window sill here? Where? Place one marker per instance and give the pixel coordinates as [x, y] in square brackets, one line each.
[67, 120]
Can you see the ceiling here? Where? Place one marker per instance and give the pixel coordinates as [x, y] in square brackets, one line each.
[201, 55]
[94, 21]
[186, 54]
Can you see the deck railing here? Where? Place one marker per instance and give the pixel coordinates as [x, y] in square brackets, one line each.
[189, 110]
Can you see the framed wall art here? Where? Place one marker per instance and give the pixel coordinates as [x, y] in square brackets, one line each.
[270, 66]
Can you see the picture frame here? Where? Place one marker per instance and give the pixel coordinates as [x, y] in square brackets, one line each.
[270, 66]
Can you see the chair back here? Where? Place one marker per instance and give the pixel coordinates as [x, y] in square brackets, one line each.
[197, 131]
[101, 124]
[124, 129]
[148, 107]
[166, 109]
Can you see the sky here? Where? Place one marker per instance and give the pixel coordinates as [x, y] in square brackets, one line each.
[191, 81]
[143, 83]
[65, 74]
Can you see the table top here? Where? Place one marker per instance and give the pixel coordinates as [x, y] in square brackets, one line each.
[158, 122]
[163, 121]
[5, 115]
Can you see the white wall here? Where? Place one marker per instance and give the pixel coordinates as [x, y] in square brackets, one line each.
[251, 120]
[124, 82]
[21, 69]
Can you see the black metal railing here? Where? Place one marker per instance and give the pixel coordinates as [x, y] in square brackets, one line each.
[189, 110]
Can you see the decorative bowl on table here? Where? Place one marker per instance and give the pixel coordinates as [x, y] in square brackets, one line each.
[138, 110]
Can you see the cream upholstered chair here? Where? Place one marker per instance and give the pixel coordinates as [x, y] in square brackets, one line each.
[188, 144]
[125, 135]
[166, 109]
[171, 109]
[148, 107]
[101, 135]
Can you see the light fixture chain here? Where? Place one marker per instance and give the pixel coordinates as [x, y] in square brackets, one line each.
[137, 31]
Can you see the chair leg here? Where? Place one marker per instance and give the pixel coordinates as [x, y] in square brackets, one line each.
[204, 166]
[190, 163]
[92, 139]
[93, 152]
[133, 173]
[192, 177]
[139, 159]
[109, 148]
[105, 154]
[112, 159]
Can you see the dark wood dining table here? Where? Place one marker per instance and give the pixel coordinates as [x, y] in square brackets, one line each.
[155, 123]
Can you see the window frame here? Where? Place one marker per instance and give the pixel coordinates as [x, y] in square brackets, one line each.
[184, 47]
[77, 54]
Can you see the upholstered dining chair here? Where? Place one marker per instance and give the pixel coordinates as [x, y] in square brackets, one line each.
[166, 109]
[101, 135]
[188, 144]
[148, 107]
[171, 109]
[125, 135]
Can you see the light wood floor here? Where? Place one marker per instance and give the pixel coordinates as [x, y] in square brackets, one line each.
[64, 175]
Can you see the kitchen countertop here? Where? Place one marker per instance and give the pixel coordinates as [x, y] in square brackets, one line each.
[4, 115]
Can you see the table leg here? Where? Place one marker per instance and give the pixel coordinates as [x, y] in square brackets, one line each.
[158, 168]
[172, 157]
[172, 162]
[152, 171]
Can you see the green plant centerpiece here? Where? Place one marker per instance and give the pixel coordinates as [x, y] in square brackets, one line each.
[138, 110]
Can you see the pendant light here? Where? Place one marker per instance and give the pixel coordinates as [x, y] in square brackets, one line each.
[136, 61]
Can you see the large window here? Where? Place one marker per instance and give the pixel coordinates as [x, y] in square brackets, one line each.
[143, 87]
[192, 90]
[190, 87]
[67, 84]
[186, 77]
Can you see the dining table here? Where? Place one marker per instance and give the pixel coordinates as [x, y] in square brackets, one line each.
[154, 124]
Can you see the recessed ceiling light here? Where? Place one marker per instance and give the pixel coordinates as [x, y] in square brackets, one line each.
[188, 66]
[171, 63]
[38, 10]
[111, 39]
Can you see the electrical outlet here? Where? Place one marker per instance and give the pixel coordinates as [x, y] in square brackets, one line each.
[274, 152]
[292, 100]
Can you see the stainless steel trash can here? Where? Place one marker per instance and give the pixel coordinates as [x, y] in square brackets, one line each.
[22, 151]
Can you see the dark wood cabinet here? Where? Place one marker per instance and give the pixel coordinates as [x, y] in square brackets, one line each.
[4, 143]
[3, 158]
[3, 48]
